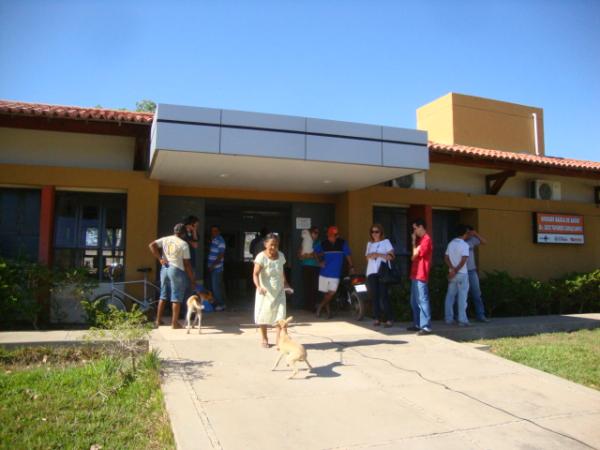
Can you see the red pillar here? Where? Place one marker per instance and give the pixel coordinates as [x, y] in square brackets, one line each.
[424, 212]
[46, 225]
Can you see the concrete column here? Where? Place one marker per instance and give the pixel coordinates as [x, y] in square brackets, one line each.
[46, 225]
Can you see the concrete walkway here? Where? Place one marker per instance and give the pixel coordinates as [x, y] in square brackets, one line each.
[384, 389]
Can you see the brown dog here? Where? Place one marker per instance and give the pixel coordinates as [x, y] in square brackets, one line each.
[194, 305]
[293, 351]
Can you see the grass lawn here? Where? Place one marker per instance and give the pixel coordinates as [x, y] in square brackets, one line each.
[76, 398]
[574, 356]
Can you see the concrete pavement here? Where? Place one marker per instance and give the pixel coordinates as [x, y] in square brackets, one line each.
[384, 389]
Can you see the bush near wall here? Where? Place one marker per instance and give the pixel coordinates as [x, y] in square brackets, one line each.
[507, 296]
[25, 286]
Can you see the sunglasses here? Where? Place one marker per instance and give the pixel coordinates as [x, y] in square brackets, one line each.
[375, 232]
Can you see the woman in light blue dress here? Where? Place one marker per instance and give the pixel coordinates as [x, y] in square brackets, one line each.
[270, 282]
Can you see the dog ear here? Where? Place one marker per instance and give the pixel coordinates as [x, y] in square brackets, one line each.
[289, 319]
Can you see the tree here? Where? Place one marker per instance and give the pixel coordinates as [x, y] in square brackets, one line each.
[145, 106]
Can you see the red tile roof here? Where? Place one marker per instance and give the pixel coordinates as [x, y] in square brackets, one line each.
[73, 112]
[112, 115]
[522, 158]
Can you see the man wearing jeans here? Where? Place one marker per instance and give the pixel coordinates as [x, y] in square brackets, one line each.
[216, 255]
[456, 258]
[473, 241]
[419, 275]
[175, 264]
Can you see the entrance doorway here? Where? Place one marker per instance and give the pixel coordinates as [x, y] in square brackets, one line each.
[240, 222]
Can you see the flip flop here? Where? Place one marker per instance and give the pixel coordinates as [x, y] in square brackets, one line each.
[265, 344]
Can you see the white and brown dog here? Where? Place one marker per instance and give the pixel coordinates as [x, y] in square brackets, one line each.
[194, 305]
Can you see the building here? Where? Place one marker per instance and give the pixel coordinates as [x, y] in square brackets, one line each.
[88, 186]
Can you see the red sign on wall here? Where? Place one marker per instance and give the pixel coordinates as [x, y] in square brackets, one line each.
[558, 228]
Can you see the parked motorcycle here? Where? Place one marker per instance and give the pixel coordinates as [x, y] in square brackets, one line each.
[352, 296]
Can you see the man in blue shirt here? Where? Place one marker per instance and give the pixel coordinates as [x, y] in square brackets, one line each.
[216, 255]
[331, 253]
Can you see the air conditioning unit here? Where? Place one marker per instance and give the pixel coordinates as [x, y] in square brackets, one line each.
[413, 181]
[545, 190]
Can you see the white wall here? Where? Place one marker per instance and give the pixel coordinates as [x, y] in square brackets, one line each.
[55, 148]
[450, 178]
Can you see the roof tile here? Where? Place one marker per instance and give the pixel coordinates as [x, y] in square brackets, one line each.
[74, 112]
[527, 158]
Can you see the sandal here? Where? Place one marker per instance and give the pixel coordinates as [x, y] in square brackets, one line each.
[376, 323]
[265, 344]
[388, 324]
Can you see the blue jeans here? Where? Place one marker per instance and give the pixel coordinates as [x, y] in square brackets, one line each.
[457, 287]
[216, 285]
[475, 292]
[378, 292]
[419, 302]
[172, 284]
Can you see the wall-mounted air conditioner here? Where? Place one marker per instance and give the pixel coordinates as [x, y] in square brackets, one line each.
[412, 181]
[545, 190]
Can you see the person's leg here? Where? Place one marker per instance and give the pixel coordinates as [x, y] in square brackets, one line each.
[385, 303]
[329, 286]
[475, 291]
[414, 303]
[160, 311]
[164, 294]
[450, 300]
[177, 280]
[425, 316]
[463, 292]
[176, 307]
[277, 334]
[263, 335]
[216, 277]
[373, 290]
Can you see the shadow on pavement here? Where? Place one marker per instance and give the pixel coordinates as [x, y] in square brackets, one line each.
[340, 345]
[185, 369]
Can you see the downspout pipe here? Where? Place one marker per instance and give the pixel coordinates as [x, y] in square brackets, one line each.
[535, 134]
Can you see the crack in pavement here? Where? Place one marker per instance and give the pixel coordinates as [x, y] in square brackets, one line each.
[202, 415]
[445, 386]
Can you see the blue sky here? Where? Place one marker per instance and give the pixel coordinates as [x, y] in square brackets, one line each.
[367, 61]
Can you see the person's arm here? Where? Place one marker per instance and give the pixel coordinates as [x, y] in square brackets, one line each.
[319, 255]
[195, 235]
[415, 247]
[350, 265]
[255, 273]
[154, 248]
[190, 273]
[451, 271]
[482, 240]
[348, 254]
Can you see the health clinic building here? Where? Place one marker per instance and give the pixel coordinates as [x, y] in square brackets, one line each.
[90, 187]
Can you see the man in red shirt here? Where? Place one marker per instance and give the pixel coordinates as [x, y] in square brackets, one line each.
[419, 275]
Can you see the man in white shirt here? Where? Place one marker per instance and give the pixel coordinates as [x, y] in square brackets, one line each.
[175, 264]
[456, 258]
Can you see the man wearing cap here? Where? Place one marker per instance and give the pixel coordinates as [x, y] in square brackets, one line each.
[331, 253]
[175, 264]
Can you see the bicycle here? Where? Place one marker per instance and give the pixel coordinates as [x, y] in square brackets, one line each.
[117, 294]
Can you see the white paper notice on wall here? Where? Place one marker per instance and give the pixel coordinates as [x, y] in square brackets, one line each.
[303, 223]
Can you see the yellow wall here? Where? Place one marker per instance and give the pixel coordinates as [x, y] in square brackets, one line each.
[436, 119]
[480, 122]
[506, 222]
[142, 201]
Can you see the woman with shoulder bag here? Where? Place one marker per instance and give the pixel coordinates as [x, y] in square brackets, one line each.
[379, 252]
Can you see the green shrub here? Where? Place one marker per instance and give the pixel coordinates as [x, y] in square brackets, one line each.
[505, 295]
[26, 286]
